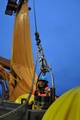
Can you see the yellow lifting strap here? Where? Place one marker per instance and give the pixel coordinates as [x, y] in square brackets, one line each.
[22, 58]
[67, 107]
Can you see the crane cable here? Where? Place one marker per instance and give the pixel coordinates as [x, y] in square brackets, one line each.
[43, 63]
[35, 17]
[40, 49]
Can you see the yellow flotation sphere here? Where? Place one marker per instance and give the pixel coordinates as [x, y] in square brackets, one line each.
[67, 107]
[25, 96]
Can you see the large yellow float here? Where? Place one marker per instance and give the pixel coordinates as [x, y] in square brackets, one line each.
[67, 107]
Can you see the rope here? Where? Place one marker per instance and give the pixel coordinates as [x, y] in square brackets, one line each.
[43, 63]
[44, 67]
[35, 17]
